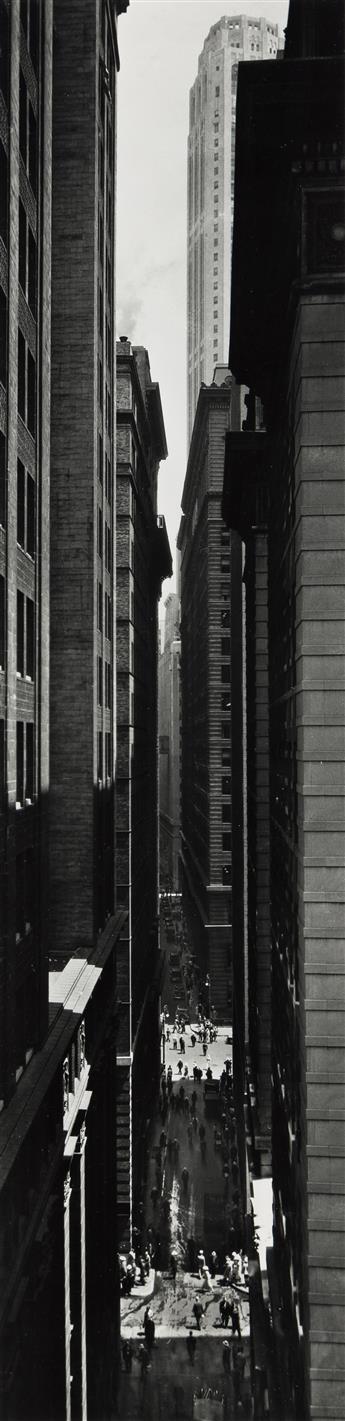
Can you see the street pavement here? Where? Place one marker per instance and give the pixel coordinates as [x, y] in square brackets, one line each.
[200, 1211]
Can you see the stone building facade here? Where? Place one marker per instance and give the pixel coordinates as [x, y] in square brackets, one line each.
[287, 346]
[143, 559]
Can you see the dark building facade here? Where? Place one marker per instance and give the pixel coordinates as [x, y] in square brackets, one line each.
[143, 559]
[287, 346]
[59, 1311]
[169, 716]
[211, 570]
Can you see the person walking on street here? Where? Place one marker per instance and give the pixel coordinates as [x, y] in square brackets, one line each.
[191, 1347]
[143, 1359]
[198, 1313]
[150, 1333]
[127, 1353]
[235, 1319]
[222, 1310]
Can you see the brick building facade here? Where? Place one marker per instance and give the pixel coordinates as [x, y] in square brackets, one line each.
[59, 1311]
[143, 559]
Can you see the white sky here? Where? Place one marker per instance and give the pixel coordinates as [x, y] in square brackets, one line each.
[160, 41]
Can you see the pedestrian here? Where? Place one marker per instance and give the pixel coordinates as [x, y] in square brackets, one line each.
[182, 1046]
[180, 1066]
[143, 1359]
[181, 1095]
[127, 1353]
[150, 1333]
[201, 1261]
[186, 1104]
[226, 1356]
[191, 1346]
[227, 1312]
[214, 1262]
[142, 1270]
[222, 1307]
[235, 1319]
[198, 1313]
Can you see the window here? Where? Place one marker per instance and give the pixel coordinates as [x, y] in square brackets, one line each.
[2, 479]
[20, 503]
[226, 813]
[217, 91]
[225, 673]
[21, 375]
[3, 193]
[32, 150]
[100, 533]
[225, 701]
[225, 565]
[225, 618]
[22, 247]
[100, 681]
[23, 118]
[226, 784]
[3, 337]
[226, 842]
[31, 271]
[2, 623]
[100, 756]
[226, 757]
[30, 638]
[225, 730]
[100, 607]
[30, 516]
[20, 634]
[107, 684]
[31, 414]
[100, 459]
[225, 646]
[108, 754]
[29, 768]
[20, 762]
[226, 873]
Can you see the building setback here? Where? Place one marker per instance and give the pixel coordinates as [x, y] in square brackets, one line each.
[169, 709]
[143, 559]
[211, 173]
[287, 345]
[211, 570]
[59, 1311]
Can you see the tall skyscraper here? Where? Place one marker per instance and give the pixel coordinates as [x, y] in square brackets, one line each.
[211, 172]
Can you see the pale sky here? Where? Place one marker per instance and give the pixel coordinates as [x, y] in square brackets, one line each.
[160, 41]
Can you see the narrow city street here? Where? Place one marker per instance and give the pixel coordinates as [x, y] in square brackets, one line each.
[191, 1205]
